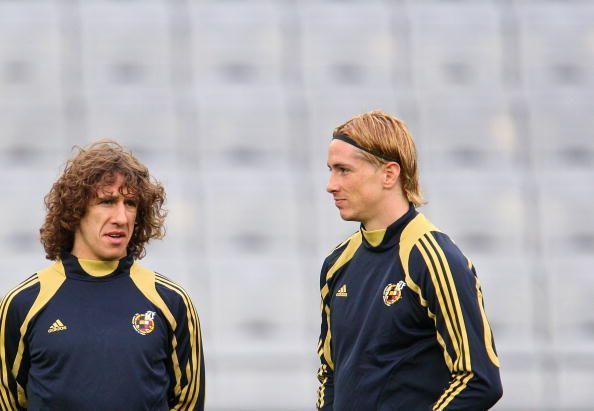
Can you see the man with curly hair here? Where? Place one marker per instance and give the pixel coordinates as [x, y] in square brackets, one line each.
[96, 330]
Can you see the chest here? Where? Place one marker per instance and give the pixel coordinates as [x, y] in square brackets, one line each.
[372, 301]
[97, 320]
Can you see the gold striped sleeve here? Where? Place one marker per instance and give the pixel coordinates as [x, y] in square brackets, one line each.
[323, 378]
[409, 239]
[146, 281]
[443, 301]
[50, 280]
[338, 246]
[487, 333]
[455, 300]
[457, 385]
[191, 392]
[417, 290]
[449, 304]
[346, 256]
[438, 292]
[353, 245]
[7, 399]
[327, 349]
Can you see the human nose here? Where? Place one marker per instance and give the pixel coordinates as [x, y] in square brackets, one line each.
[332, 185]
[119, 213]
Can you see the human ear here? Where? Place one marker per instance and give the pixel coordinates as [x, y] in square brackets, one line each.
[391, 174]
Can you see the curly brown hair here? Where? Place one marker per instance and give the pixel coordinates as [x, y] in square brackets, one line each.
[92, 168]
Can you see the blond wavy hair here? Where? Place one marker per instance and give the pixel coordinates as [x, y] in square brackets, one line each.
[382, 133]
[91, 169]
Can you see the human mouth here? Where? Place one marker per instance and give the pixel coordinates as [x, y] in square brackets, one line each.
[115, 237]
[339, 201]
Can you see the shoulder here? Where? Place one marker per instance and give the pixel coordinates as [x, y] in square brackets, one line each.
[47, 276]
[446, 245]
[445, 252]
[418, 228]
[422, 244]
[168, 290]
[415, 233]
[429, 249]
[352, 242]
[169, 297]
[22, 297]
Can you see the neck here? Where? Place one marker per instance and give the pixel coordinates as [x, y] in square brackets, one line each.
[98, 268]
[389, 214]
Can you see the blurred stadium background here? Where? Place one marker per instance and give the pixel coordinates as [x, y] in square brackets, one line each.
[232, 104]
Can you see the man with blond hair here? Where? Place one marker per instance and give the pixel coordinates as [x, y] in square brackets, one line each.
[403, 321]
[96, 330]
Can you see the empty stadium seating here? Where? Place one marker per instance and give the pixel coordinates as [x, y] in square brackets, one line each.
[232, 105]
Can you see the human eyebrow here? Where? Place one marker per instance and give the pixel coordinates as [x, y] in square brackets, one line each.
[339, 166]
[106, 198]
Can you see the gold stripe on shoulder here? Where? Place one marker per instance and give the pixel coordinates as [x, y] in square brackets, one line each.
[413, 231]
[341, 244]
[174, 287]
[354, 242]
[34, 279]
[145, 280]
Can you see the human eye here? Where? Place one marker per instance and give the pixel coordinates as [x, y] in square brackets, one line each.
[131, 202]
[106, 200]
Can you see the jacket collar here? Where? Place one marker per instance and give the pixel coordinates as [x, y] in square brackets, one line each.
[91, 270]
[383, 239]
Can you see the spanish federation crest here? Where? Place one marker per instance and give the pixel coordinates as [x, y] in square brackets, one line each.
[393, 293]
[144, 323]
